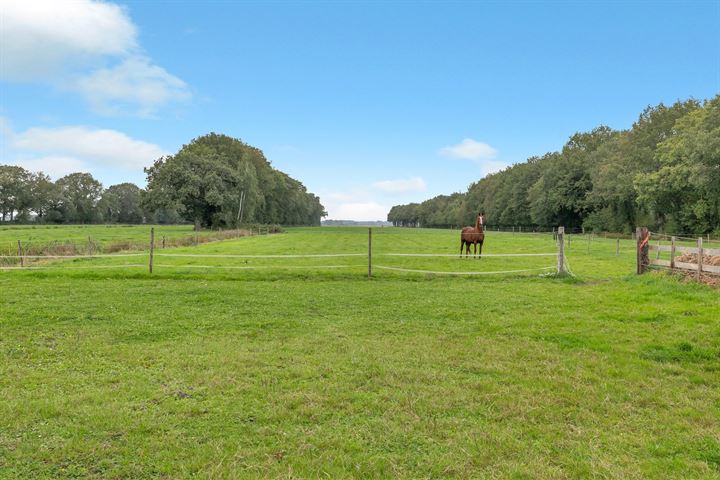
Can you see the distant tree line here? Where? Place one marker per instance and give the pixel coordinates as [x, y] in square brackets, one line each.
[215, 181]
[663, 173]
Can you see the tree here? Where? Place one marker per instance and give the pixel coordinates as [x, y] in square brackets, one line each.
[199, 186]
[616, 163]
[218, 181]
[48, 200]
[122, 203]
[82, 193]
[15, 198]
[684, 193]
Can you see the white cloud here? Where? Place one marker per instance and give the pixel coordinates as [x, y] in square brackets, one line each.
[63, 43]
[107, 148]
[358, 203]
[54, 165]
[470, 149]
[62, 150]
[413, 184]
[135, 81]
[40, 37]
[360, 211]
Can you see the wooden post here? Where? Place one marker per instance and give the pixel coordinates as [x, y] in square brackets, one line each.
[369, 252]
[617, 247]
[672, 253]
[643, 237]
[152, 247]
[22, 259]
[657, 256]
[163, 242]
[588, 244]
[637, 251]
[700, 257]
[561, 250]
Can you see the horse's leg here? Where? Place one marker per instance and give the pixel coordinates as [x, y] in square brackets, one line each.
[475, 249]
[480, 249]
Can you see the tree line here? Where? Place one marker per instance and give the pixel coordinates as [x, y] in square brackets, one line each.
[214, 182]
[663, 172]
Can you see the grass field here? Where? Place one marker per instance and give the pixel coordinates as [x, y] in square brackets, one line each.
[50, 239]
[290, 372]
[10, 234]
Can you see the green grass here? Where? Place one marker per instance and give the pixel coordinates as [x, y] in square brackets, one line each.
[10, 234]
[292, 373]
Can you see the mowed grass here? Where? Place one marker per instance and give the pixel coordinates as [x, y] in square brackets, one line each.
[305, 373]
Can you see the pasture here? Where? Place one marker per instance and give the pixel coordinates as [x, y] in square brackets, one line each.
[39, 234]
[297, 367]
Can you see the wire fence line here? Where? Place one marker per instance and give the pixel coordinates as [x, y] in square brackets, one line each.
[60, 266]
[398, 269]
[319, 255]
[461, 255]
[74, 267]
[214, 255]
[260, 267]
[75, 256]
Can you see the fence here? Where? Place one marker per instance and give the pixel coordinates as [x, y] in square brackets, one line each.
[697, 259]
[154, 259]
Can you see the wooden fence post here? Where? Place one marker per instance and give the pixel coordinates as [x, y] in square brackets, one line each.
[369, 252]
[163, 242]
[22, 259]
[672, 253]
[643, 237]
[617, 247]
[700, 257]
[637, 251]
[657, 256]
[561, 250]
[152, 247]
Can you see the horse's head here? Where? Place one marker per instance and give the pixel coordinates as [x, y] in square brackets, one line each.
[481, 221]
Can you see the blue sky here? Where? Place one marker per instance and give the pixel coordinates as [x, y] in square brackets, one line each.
[368, 104]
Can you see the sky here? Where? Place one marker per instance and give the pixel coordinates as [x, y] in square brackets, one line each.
[369, 104]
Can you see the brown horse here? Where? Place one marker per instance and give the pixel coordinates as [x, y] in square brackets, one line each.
[474, 235]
